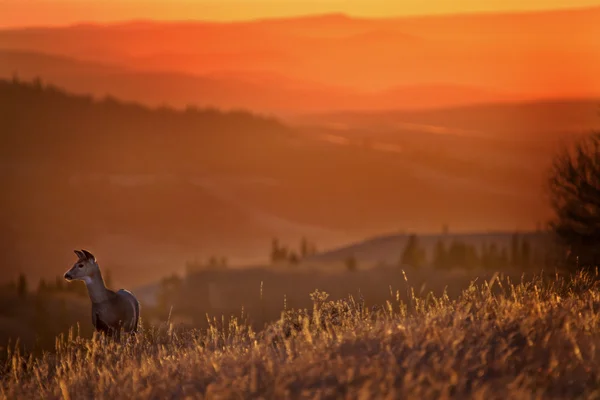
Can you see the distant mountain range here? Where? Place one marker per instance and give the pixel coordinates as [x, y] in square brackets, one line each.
[321, 63]
[260, 92]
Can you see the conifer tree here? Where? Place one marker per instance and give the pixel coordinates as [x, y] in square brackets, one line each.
[22, 285]
[413, 255]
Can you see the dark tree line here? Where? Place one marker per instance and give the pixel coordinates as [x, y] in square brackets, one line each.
[460, 255]
[574, 189]
[111, 130]
[282, 253]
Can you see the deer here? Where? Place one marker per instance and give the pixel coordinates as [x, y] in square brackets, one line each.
[112, 312]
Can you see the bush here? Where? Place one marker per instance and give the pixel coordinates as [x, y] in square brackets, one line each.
[575, 197]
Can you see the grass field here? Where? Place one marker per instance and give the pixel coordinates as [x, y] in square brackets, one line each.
[497, 340]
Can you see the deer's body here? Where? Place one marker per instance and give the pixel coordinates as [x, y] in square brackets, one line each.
[119, 311]
[112, 312]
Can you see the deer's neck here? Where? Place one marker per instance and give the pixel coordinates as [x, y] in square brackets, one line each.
[96, 288]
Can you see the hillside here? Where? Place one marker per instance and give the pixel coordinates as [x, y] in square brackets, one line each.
[387, 249]
[68, 169]
[263, 92]
[201, 182]
[499, 339]
[521, 120]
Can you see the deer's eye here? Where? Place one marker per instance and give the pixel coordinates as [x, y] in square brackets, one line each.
[80, 265]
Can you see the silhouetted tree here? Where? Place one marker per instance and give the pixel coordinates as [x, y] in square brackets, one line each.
[22, 285]
[38, 84]
[462, 255]
[413, 255]
[574, 185]
[307, 248]
[294, 258]
[277, 252]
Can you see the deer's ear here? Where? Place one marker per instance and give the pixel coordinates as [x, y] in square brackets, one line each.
[89, 255]
[79, 254]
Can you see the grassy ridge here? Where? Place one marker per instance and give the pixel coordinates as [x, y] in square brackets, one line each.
[535, 339]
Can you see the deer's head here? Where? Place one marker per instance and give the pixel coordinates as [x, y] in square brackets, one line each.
[84, 269]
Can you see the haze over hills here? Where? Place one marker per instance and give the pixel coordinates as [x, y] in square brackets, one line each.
[383, 125]
[174, 185]
[337, 62]
[386, 250]
[290, 184]
[229, 89]
[510, 120]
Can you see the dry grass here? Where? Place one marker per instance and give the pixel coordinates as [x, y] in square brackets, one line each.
[498, 340]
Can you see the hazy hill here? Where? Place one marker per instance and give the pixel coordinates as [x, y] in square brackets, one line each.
[257, 91]
[153, 187]
[387, 249]
[77, 171]
[515, 120]
[535, 54]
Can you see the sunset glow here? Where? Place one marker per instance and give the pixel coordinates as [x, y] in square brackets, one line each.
[45, 12]
[286, 199]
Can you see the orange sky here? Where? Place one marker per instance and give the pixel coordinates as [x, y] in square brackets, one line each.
[59, 12]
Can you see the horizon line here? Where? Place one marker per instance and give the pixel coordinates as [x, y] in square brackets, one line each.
[283, 17]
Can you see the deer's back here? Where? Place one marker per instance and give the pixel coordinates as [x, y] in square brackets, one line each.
[120, 311]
